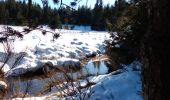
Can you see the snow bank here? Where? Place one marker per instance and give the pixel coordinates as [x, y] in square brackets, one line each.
[124, 84]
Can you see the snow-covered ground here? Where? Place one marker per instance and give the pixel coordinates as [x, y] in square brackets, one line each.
[115, 86]
[40, 48]
[72, 45]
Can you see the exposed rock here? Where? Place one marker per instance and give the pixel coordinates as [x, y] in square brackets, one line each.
[47, 68]
[91, 55]
[68, 64]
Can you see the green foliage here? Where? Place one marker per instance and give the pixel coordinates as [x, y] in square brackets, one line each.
[83, 16]
[109, 26]
[128, 26]
[55, 22]
[121, 23]
[20, 19]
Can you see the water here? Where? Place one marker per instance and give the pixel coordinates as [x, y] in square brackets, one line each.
[41, 85]
[96, 67]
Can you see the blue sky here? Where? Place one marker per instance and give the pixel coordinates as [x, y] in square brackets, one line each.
[90, 3]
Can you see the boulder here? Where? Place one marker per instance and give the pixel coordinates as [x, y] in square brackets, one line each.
[71, 63]
[47, 68]
[68, 64]
[91, 55]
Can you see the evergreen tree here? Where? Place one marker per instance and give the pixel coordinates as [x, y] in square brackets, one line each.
[55, 22]
[125, 47]
[34, 14]
[83, 16]
[20, 19]
[4, 12]
[98, 21]
[11, 6]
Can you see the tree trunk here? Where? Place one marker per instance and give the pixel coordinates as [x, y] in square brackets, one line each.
[29, 12]
[156, 51]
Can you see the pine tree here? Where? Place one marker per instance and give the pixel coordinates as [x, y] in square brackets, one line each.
[4, 13]
[55, 22]
[98, 21]
[20, 19]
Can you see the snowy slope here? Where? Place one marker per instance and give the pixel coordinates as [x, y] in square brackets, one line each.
[124, 86]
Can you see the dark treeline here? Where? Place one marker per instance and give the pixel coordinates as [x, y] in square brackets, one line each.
[15, 13]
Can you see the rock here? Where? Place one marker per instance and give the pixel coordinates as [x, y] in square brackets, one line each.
[68, 64]
[99, 52]
[75, 39]
[73, 43]
[71, 63]
[79, 43]
[47, 68]
[91, 55]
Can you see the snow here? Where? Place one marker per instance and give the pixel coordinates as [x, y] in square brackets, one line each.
[123, 84]
[41, 48]
[31, 98]
[5, 67]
